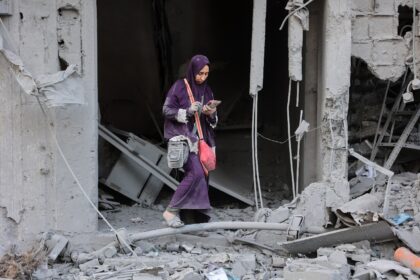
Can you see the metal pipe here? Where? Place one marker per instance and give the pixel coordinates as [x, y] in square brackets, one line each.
[217, 225]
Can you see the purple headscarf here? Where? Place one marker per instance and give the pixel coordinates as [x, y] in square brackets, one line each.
[196, 64]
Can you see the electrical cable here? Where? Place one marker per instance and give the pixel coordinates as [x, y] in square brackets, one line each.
[10, 41]
[298, 156]
[289, 136]
[256, 154]
[293, 12]
[288, 139]
[253, 153]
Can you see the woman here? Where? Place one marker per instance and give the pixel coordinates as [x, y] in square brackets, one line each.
[192, 192]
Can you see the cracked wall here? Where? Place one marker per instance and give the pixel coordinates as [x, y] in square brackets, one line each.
[375, 37]
[38, 193]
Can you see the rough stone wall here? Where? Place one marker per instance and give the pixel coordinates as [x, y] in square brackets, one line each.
[37, 191]
[375, 37]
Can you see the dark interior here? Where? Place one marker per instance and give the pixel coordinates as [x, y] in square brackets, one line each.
[144, 47]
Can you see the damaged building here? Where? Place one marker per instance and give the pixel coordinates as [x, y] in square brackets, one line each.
[317, 142]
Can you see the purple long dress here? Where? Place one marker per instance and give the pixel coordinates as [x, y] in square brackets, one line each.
[192, 192]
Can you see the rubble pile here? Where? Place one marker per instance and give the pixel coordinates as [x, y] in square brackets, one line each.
[321, 239]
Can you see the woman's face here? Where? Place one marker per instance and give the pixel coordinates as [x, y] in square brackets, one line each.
[201, 77]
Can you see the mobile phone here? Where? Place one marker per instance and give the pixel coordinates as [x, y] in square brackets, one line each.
[213, 103]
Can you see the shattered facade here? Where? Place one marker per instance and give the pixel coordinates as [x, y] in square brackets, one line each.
[39, 193]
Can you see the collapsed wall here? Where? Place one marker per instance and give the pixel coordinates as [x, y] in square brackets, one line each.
[377, 40]
[37, 191]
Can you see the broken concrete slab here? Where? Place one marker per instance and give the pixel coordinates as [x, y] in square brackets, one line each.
[315, 269]
[361, 210]
[360, 185]
[411, 238]
[350, 252]
[375, 232]
[386, 265]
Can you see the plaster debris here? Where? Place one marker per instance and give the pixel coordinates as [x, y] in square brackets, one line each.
[64, 87]
[387, 265]
[361, 210]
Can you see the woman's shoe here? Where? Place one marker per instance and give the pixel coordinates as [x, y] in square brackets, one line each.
[174, 222]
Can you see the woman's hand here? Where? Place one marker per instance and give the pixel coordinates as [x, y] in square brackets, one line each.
[196, 106]
[207, 110]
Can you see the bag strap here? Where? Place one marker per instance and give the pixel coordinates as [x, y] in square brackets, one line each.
[197, 118]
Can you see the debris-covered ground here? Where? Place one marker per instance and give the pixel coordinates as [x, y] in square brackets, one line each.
[373, 247]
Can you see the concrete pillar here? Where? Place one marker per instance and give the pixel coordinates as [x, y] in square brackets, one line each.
[37, 192]
[333, 90]
[310, 85]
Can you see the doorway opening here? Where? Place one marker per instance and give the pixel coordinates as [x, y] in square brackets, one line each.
[144, 46]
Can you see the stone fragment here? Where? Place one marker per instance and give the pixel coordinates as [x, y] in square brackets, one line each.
[145, 276]
[192, 276]
[279, 215]
[278, 261]
[316, 269]
[244, 264]
[196, 251]
[188, 247]
[163, 274]
[173, 247]
[218, 258]
[143, 247]
[360, 257]
[387, 265]
[180, 275]
[56, 244]
[90, 264]
[338, 257]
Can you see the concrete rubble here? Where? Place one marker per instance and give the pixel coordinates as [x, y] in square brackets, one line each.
[360, 208]
[246, 254]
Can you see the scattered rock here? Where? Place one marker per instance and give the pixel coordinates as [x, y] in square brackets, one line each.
[244, 264]
[90, 264]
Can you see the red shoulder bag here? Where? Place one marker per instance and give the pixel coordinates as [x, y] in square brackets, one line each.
[205, 152]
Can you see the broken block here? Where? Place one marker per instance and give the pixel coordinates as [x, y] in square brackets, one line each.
[244, 264]
[385, 7]
[173, 247]
[278, 261]
[315, 269]
[90, 264]
[383, 27]
[56, 244]
[362, 6]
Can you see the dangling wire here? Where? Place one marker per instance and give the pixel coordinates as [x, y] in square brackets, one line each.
[255, 165]
[257, 173]
[289, 135]
[76, 179]
[298, 156]
[253, 153]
